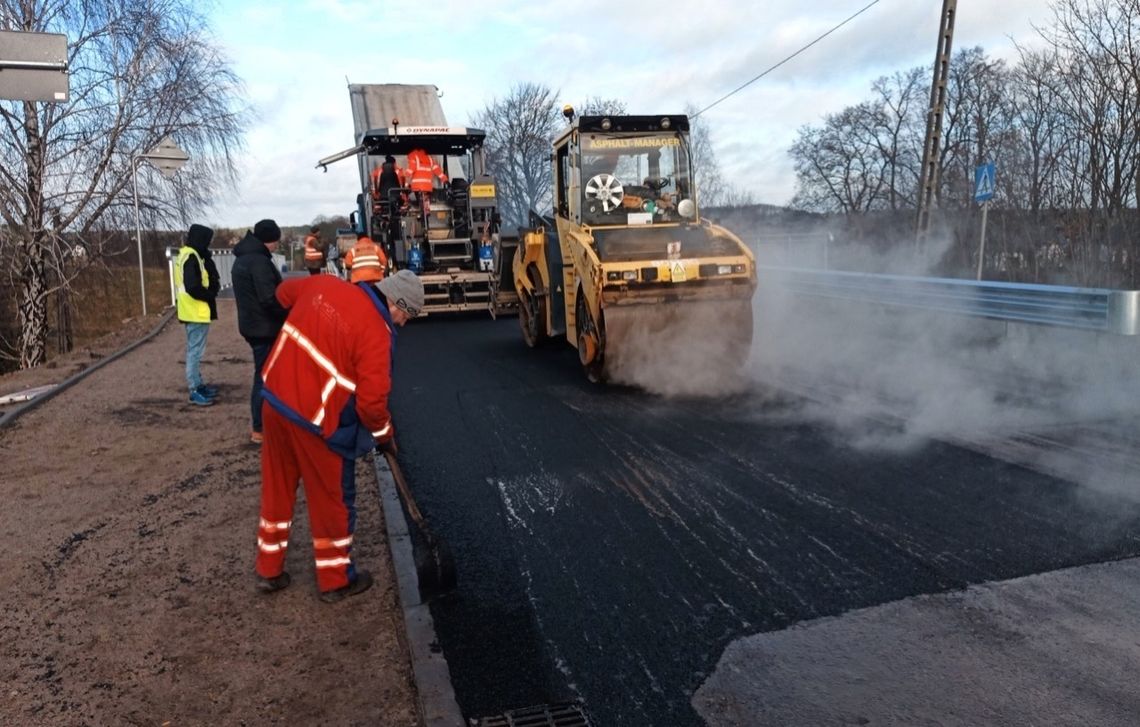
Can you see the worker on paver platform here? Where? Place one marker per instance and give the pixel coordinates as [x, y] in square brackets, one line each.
[326, 387]
[422, 170]
[366, 262]
[386, 177]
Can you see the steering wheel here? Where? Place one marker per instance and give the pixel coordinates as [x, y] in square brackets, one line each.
[657, 184]
[606, 189]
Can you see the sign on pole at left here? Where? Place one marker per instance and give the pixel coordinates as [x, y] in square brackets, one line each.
[33, 66]
[984, 183]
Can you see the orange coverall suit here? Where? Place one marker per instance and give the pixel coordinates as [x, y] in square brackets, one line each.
[421, 169]
[327, 380]
[366, 261]
[314, 258]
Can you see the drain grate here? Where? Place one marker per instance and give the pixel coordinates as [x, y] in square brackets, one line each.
[568, 714]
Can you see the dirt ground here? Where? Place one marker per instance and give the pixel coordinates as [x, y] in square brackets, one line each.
[129, 532]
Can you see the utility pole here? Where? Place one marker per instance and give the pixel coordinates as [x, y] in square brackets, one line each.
[928, 182]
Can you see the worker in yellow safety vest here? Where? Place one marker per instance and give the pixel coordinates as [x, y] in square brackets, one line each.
[197, 284]
[366, 261]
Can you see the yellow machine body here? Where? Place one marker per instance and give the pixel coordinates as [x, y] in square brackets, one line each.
[625, 269]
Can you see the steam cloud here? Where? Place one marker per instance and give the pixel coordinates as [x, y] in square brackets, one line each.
[1062, 401]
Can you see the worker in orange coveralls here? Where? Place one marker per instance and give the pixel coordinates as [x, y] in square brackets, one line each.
[326, 385]
[421, 173]
[366, 262]
[422, 170]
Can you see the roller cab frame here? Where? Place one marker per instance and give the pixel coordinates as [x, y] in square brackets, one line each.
[625, 240]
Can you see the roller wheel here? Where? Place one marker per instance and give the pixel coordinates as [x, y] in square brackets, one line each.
[591, 342]
[532, 313]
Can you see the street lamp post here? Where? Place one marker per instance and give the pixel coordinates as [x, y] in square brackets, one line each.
[168, 158]
[138, 229]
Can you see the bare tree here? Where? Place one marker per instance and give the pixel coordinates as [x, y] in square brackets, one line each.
[840, 167]
[1062, 126]
[1041, 140]
[972, 124]
[519, 129]
[598, 106]
[140, 70]
[901, 100]
[1097, 84]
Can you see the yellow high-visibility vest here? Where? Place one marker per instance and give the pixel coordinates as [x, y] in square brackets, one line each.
[190, 309]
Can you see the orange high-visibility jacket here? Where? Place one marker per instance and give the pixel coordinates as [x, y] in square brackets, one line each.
[314, 258]
[421, 169]
[332, 353]
[366, 260]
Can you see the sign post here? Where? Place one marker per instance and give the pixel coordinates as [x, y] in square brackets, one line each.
[983, 193]
[168, 159]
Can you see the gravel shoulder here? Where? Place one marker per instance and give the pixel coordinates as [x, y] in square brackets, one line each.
[127, 593]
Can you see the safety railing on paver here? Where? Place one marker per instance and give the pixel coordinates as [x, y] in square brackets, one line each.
[1097, 309]
[223, 259]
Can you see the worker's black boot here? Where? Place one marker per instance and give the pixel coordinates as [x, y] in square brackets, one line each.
[362, 583]
[276, 583]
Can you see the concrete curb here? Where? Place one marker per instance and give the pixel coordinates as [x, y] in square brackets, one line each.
[436, 697]
[12, 414]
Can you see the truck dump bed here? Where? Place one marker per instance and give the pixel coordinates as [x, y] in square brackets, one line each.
[374, 105]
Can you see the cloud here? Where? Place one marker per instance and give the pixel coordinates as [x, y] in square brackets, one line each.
[656, 59]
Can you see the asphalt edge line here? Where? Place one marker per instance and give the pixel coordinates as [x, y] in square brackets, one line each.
[434, 692]
[12, 414]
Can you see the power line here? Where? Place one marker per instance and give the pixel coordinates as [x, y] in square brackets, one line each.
[801, 50]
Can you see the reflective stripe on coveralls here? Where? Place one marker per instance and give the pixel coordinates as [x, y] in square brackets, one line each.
[273, 537]
[289, 332]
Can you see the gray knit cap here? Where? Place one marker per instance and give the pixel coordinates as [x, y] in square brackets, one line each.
[405, 290]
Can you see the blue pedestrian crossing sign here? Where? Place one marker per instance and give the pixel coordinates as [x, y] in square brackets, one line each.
[984, 183]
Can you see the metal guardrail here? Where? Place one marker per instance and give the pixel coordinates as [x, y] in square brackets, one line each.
[1097, 309]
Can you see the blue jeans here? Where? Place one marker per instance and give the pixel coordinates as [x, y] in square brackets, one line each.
[195, 347]
[260, 353]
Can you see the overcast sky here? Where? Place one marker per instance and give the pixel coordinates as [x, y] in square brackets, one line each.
[295, 59]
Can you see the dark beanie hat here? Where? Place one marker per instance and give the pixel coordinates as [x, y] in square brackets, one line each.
[199, 236]
[267, 231]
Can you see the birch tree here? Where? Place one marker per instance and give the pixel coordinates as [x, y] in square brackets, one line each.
[140, 71]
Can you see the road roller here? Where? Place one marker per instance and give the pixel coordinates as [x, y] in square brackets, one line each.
[624, 267]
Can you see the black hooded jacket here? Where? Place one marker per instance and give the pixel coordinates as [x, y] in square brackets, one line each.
[389, 179]
[255, 280]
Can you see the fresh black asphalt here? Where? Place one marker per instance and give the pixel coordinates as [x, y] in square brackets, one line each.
[610, 543]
